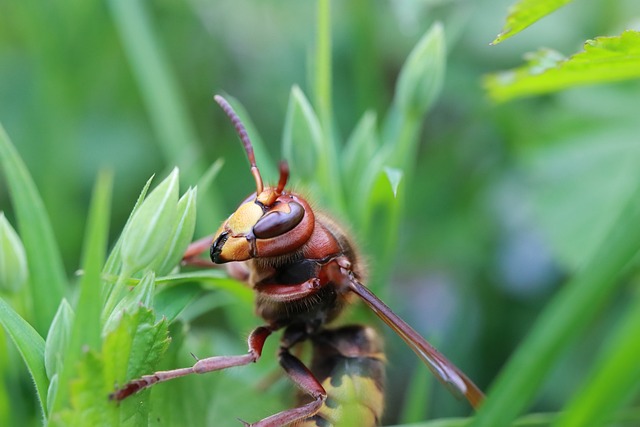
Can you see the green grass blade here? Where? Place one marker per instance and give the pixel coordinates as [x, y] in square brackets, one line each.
[419, 85]
[302, 139]
[159, 88]
[47, 279]
[322, 66]
[418, 395]
[167, 109]
[31, 348]
[114, 261]
[563, 319]
[86, 328]
[611, 381]
[526, 12]
[604, 60]
[310, 152]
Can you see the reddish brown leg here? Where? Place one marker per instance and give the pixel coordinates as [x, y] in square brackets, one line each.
[285, 293]
[256, 343]
[191, 255]
[302, 377]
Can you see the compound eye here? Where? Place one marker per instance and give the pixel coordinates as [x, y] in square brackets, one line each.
[276, 223]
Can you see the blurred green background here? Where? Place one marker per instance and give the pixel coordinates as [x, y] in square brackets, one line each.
[506, 203]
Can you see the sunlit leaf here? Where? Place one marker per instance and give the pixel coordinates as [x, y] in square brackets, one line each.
[604, 60]
[526, 12]
[394, 176]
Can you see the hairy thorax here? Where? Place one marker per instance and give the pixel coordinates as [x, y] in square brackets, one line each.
[320, 307]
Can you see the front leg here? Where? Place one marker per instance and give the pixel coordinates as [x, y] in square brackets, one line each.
[191, 256]
[275, 292]
[256, 342]
[300, 280]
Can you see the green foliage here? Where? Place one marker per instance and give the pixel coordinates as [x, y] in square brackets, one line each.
[604, 60]
[442, 189]
[133, 347]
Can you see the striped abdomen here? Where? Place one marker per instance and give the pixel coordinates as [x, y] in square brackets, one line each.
[349, 362]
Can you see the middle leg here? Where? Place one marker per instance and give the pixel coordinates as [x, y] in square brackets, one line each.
[302, 377]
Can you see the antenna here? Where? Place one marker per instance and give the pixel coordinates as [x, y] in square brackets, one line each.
[284, 175]
[244, 137]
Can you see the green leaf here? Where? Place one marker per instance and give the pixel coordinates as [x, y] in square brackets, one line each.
[114, 261]
[526, 12]
[181, 235]
[87, 330]
[211, 279]
[358, 151]
[604, 60]
[89, 405]
[56, 350]
[141, 295]
[420, 80]
[144, 237]
[46, 272]
[310, 152]
[302, 139]
[394, 176]
[131, 349]
[418, 86]
[58, 338]
[170, 301]
[562, 320]
[31, 348]
[612, 380]
[13, 261]
[140, 339]
[85, 333]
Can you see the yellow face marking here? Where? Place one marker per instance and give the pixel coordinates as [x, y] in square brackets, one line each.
[242, 221]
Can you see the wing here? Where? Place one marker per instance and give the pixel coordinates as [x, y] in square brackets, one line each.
[457, 382]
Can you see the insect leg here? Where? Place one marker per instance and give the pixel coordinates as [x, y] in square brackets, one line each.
[284, 293]
[256, 342]
[191, 255]
[302, 377]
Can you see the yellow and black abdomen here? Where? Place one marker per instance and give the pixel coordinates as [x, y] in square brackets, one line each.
[349, 362]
